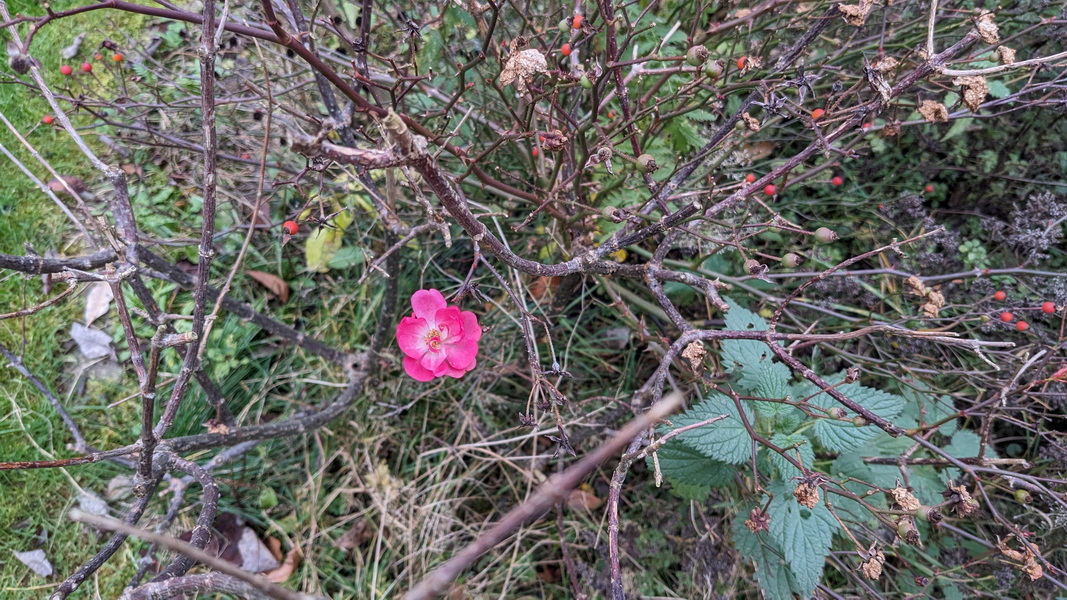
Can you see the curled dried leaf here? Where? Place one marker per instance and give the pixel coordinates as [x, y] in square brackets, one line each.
[933, 112]
[1030, 564]
[1007, 55]
[974, 90]
[750, 121]
[905, 499]
[987, 29]
[521, 66]
[757, 521]
[856, 15]
[885, 64]
[695, 353]
[806, 494]
[872, 565]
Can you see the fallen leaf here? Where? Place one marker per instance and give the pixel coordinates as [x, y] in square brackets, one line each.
[92, 343]
[98, 301]
[70, 51]
[275, 546]
[272, 282]
[255, 556]
[36, 561]
[583, 497]
[283, 571]
[356, 535]
[64, 183]
[92, 504]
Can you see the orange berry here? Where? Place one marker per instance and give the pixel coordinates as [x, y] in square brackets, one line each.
[290, 227]
[565, 50]
[1022, 326]
[98, 56]
[770, 189]
[116, 57]
[1000, 295]
[48, 119]
[817, 114]
[611, 114]
[750, 178]
[577, 22]
[741, 63]
[1006, 316]
[535, 151]
[1048, 308]
[837, 181]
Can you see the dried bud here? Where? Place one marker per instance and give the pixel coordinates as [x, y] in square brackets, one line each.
[852, 374]
[604, 153]
[905, 499]
[757, 521]
[806, 495]
[929, 514]
[872, 565]
[1023, 497]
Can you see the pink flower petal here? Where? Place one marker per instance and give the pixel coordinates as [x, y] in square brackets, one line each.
[472, 331]
[449, 323]
[462, 353]
[426, 303]
[416, 371]
[456, 373]
[411, 335]
[432, 361]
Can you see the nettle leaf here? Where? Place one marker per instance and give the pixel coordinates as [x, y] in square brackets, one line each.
[841, 436]
[964, 444]
[787, 442]
[745, 357]
[690, 473]
[726, 440]
[684, 137]
[774, 578]
[803, 534]
[924, 480]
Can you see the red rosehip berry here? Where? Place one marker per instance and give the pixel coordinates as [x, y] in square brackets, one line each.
[116, 57]
[66, 70]
[565, 50]
[290, 227]
[87, 67]
[750, 178]
[1048, 308]
[817, 114]
[1022, 326]
[741, 63]
[98, 56]
[929, 188]
[577, 21]
[1000, 295]
[837, 181]
[48, 119]
[535, 152]
[770, 189]
[1006, 316]
[866, 126]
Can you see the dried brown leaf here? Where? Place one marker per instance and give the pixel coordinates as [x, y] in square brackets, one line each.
[974, 90]
[272, 282]
[905, 499]
[62, 183]
[522, 65]
[987, 29]
[695, 353]
[856, 15]
[933, 112]
[750, 121]
[872, 566]
[807, 495]
[1007, 55]
[584, 498]
[286, 569]
[98, 301]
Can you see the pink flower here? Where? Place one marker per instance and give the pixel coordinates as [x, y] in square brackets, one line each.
[439, 339]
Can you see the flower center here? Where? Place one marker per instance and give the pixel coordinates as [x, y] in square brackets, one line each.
[434, 340]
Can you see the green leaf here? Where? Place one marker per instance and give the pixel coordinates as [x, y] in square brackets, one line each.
[841, 436]
[803, 534]
[701, 115]
[786, 442]
[959, 126]
[746, 357]
[321, 248]
[997, 89]
[774, 578]
[726, 440]
[346, 258]
[690, 473]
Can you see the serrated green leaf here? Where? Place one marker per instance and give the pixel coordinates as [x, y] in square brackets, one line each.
[745, 357]
[774, 578]
[726, 440]
[684, 137]
[786, 442]
[840, 436]
[701, 115]
[959, 126]
[690, 473]
[803, 534]
[997, 89]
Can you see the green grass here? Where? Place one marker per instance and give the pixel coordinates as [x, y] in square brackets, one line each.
[33, 503]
